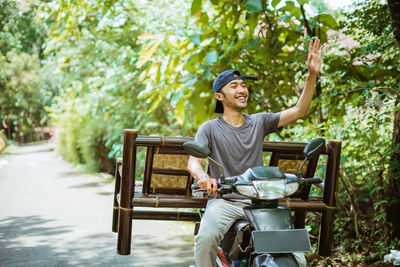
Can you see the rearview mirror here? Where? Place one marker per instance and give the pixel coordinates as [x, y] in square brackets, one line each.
[196, 149]
[314, 148]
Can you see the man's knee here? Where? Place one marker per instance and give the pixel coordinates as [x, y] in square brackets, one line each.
[207, 236]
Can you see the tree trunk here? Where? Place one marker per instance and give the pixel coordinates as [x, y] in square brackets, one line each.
[394, 173]
[394, 7]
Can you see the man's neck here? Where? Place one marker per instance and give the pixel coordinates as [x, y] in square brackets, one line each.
[234, 118]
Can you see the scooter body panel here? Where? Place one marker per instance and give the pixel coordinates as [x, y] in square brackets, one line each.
[269, 218]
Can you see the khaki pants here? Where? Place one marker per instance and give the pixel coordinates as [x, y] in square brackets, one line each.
[217, 219]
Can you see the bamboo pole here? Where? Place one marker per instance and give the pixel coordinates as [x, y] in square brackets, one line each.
[127, 192]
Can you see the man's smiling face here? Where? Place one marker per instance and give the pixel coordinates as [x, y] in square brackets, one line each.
[234, 95]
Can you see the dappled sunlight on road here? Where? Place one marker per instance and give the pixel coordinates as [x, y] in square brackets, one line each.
[51, 214]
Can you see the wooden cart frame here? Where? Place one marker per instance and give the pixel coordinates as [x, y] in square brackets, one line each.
[178, 195]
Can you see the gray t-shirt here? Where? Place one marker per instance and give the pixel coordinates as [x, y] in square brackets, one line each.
[237, 148]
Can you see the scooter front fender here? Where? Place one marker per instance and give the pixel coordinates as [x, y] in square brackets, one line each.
[268, 260]
[269, 218]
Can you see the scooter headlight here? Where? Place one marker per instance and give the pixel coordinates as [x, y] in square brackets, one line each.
[291, 188]
[270, 189]
[246, 190]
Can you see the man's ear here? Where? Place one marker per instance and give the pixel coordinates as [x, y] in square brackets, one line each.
[219, 96]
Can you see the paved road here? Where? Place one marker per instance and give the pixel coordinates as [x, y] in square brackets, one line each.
[53, 215]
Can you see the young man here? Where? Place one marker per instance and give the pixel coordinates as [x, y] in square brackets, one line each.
[235, 140]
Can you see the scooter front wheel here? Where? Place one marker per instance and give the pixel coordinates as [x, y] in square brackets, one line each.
[274, 260]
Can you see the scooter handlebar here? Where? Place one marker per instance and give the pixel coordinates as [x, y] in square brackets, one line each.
[222, 189]
[195, 186]
[310, 181]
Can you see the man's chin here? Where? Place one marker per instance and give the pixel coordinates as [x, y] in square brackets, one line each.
[241, 107]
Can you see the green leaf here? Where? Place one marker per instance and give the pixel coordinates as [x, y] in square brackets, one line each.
[253, 5]
[328, 20]
[252, 22]
[195, 39]
[147, 52]
[302, 2]
[180, 111]
[196, 7]
[290, 7]
[158, 76]
[190, 82]
[177, 97]
[204, 18]
[211, 57]
[207, 74]
[274, 3]
[155, 104]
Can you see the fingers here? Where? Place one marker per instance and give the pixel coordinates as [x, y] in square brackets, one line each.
[209, 186]
[212, 186]
[314, 46]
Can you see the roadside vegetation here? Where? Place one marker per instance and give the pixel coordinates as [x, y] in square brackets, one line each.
[89, 69]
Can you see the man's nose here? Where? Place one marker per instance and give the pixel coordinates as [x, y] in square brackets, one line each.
[241, 88]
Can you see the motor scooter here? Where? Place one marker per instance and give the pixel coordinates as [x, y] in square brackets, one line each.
[267, 238]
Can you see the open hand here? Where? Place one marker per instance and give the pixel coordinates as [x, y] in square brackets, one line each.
[314, 56]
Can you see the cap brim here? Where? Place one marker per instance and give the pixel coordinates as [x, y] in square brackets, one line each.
[248, 78]
[219, 108]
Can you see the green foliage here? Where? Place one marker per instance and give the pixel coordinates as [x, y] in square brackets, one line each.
[243, 35]
[103, 94]
[26, 90]
[19, 29]
[360, 89]
[25, 84]
[370, 86]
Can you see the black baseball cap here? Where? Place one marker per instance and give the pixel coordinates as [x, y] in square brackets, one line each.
[223, 79]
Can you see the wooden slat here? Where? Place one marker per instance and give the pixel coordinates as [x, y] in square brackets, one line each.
[167, 190]
[166, 215]
[329, 198]
[181, 202]
[271, 146]
[171, 150]
[116, 192]
[287, 147]
[169, 202]
[170, 172]
[148, 169]
[189, 182]
[161, 141]
[303, 205]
